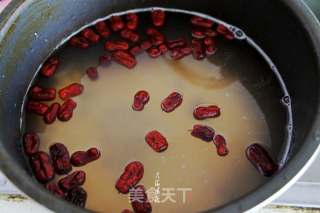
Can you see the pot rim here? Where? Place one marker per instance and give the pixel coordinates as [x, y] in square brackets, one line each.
[292, 171]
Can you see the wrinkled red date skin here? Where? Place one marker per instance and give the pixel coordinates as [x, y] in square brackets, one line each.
[81, 158]
[201, 33]
[77, 196]
[204, 112]
[126, 211]
[156, 141]
[102, 29]
[199, 51]
[135, 50]
[141, 204]
[163, 48]
[176, 43]
[201, 22]
[79, 42]
[124, 58]
[146, 44]
[90, 35]
[37, 107]
[171, 102]
[54, 189]
[116, 23]
[61, 158]
[116, 45]
[132, 21]
[261, 160]
[43, 94]
[154, 52]
[141, 98]
[66, 110]
[105, 60]
[156, 36]
[50, 66]
[210, 50]
[131, 175]
[73, 180]
[158, 17]
[51, 115]
[70, 91]
[178, 53]
[92, 73]
[225, 32]
[42, 167]
[31, 143]
[221, 145]
[130, 35]
[205, 133]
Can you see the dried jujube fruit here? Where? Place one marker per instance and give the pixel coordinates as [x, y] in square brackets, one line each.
[51, 114]
[42, 94]
[131, 175]
[66, 110]
[72, 180]
[205, 133]
[37, 107]
[141, 98]
[42, 167]
[221, 145]
[204, 112]
[140, 204]
[81, 158]
[156, 141]
[261, 160]
[61, 158]
[50, 66]
[77, 196]
[31, 143]
[70, 91]
[54, 189]
[171, 102]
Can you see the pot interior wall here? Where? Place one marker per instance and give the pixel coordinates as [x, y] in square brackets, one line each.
[40, 25]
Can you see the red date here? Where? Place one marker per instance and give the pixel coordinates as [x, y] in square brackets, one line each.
[146, 44]
[131, 175]
[90, 35]
[201, 22]
[132, 21]
[158, 17]
[171, 102]
[70, 91]
[130, 35]
[210, 50]
[176, 43]
[79, 42]
[102, 29]
[61, 158]
[156, 141]
[178, 53]
[105, 60]
[261, 160]
[163, 48]
[201, 33]
[54, 189]
[135, 50]
[37, 107]
[42, 167]
[156, 36]
[66, 110]
[73, 180]
[43, 94]
[116, 45]
[92, 73]
[140, 203]
[126, 211]
[221, 145]
[141, 98]
[81, 158]
[77, 196]
[204, 112]
[116, 23]
[31, 143]
[199, 51]
[205, 133]
[225, 32]
[50, 66]
[154, 52]
[51, 114]
[124, 58]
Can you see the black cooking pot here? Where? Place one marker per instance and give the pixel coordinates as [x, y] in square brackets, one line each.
[285, 29]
